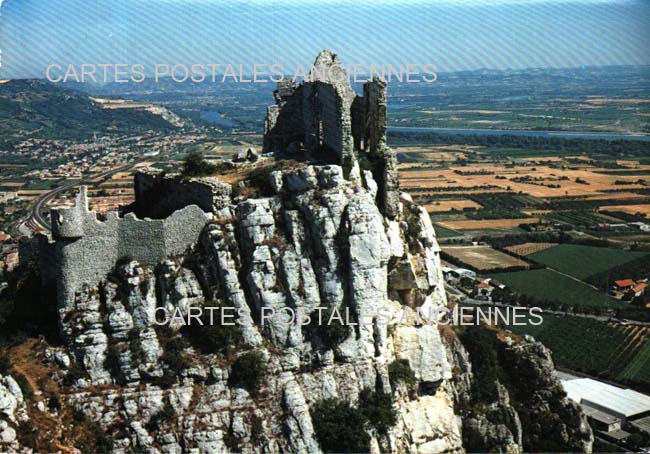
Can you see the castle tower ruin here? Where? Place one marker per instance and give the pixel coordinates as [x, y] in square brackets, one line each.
[324, 117]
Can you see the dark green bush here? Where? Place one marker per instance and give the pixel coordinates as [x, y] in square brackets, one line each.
[399, 371]
[481, 344]
[257, 429]
[166, 380]
[232, 441]
[27, 308]
[99, 441]
[377, 407]
[5, 364]
[195, 166]
[339, 427]
[214, 337]
[27, 435]
[332, 334]
[124, 260]
[248, 371]
[112, 361]
[174, 355]
[165, 415]
[103, 442]
[135, 346]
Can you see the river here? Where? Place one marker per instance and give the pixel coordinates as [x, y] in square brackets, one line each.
[524, 132]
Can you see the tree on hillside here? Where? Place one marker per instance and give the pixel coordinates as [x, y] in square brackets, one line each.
[195, 166]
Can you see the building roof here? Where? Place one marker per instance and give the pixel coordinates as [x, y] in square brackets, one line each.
[624, 283]
[612, 399]
[598, 415]
[642, 423]
[640, 287]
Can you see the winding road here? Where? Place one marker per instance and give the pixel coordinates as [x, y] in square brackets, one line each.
[36, 219]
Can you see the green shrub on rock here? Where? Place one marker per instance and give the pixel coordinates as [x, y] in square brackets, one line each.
[339, 427]
[248, 371]
[75, 372]
[333, 332]
[399, 371]
[195, 166]
[173, 347]
[377, 407]
[112, 361]
[212, 337]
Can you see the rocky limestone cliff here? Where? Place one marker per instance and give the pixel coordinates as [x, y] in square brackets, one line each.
[12, 412]
[317, 239]
[509, 397]
[311, 237]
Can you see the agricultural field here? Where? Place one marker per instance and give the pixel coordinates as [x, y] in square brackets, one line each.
[608, 350]
[433, 153]
[583, 261]
[443, 232]
[566, 105]
[539, 180]
[483, 258]
[644, 209]
[545, 284]
[585, 219]
[480, 194]
[638, 369]
[108, 203]
[492, 224]
[548, 175]
[451, 205]
[526, 249]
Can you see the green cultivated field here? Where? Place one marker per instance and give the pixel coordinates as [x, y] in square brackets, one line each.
[639, 367]
[549, 285]
[583, 261]
[615, 352]
[444, 232]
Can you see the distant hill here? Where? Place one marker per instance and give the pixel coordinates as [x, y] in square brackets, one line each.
[36, 108]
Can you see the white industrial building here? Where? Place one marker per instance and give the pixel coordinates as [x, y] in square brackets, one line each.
[608, 406]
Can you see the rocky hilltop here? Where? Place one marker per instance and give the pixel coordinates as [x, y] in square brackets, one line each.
[313, 229]
[35, 108]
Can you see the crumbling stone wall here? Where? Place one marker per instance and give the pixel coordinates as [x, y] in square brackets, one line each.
[325, 117]
[358, 114]
[284, 123]
[37, 250]
[158, 195]
[385, 168]
[332, 107]
[86, 249]
[374, 96]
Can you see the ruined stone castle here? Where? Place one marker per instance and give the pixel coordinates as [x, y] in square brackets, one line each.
[324, 116]
[85, 249]
[325, 230]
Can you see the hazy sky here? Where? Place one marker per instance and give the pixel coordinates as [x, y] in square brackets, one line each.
[453, 35]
